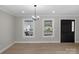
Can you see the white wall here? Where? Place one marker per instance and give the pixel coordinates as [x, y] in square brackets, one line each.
[7, 30]
[38, 29]
[11, 29]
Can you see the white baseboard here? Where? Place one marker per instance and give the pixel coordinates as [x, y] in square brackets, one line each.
[4, 49]
[37, 42]
[77, 42]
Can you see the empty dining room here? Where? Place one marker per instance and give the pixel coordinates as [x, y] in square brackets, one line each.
[39, 29]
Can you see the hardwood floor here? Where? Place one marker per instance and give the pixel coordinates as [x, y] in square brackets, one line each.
[43, 48]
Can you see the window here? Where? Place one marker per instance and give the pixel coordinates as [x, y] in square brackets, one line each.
[28, 28]
[72, 26]
[48, 28]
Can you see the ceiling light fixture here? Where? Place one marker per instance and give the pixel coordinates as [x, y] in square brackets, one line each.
[22, 11]
[53, 11]
[35, 17]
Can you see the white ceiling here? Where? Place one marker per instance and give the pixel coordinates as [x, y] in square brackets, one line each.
[16, 10]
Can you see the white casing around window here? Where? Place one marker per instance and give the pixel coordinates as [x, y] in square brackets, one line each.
[33, 29]
[52, 27]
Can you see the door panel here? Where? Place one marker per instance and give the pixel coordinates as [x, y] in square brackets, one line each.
[67, 30]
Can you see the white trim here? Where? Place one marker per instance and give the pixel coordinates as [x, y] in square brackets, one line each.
[37, 42]
[76, 41]
[75, 30]
[43, 27]
[4, 49]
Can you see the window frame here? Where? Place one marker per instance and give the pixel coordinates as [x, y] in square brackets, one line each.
[43, 27]
[33, 29]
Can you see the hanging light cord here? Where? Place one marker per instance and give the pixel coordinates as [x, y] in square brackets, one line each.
[35, 17]
[35, 9]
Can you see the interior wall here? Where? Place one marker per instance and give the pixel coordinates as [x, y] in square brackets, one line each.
[38, 29]
[7, 29]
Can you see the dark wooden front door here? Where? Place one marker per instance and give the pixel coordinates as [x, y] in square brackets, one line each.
[67, 31]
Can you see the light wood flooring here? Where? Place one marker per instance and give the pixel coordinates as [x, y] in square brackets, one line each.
[43, 48]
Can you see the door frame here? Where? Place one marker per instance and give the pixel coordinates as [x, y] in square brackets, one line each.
[74, 29]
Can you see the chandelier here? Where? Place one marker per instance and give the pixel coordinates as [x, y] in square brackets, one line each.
[35, 17]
